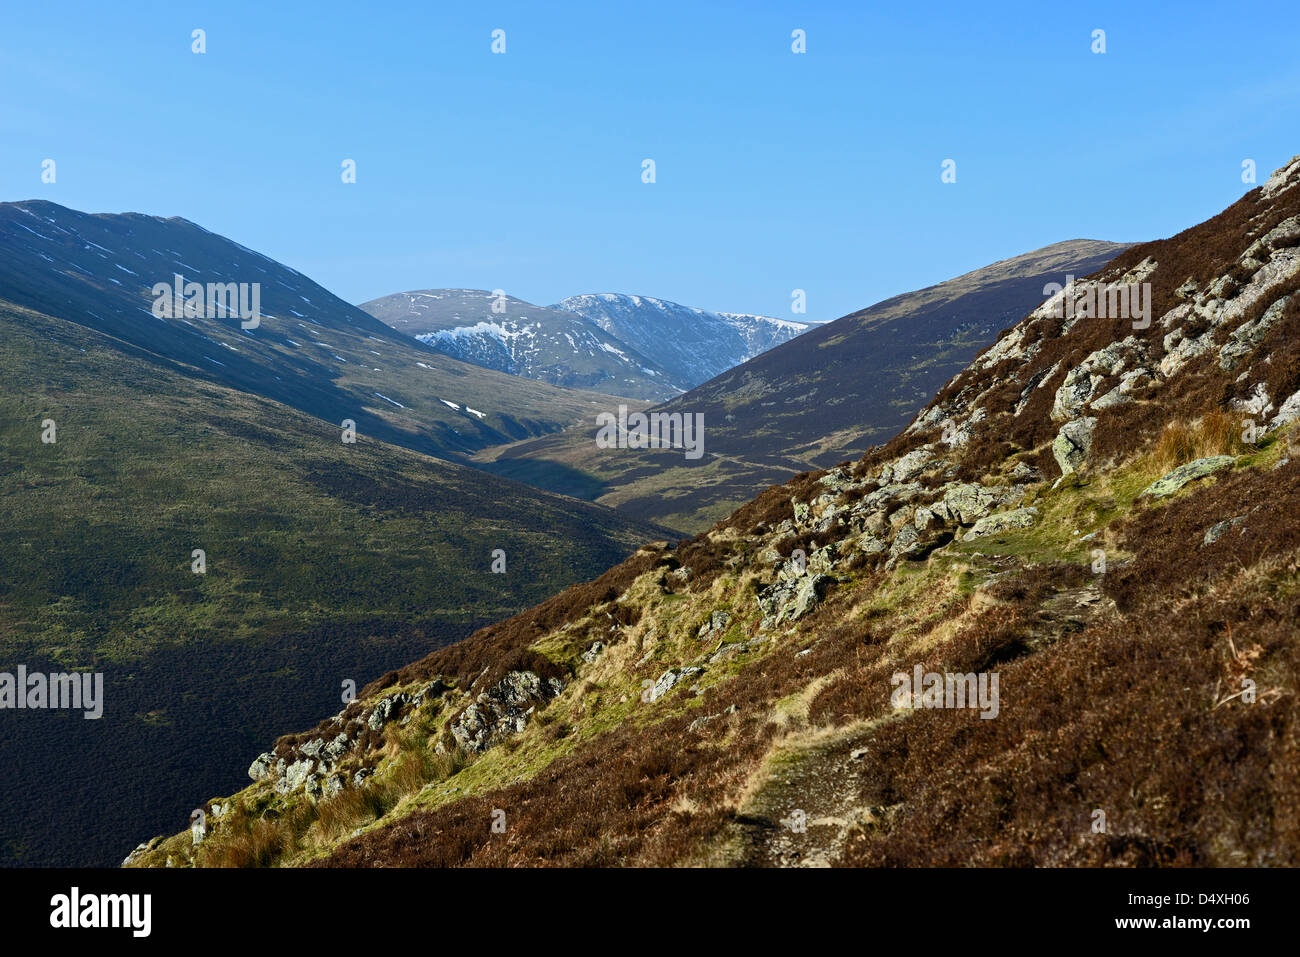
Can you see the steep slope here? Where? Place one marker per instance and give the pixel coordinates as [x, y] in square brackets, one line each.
[821, 398]
[1091, 530]
[323, 561]
[694, 345]
[308, 349]
[513, 336]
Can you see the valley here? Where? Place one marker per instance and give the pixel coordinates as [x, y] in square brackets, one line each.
[1078, 511]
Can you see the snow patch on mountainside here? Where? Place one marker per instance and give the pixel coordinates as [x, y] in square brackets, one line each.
[691, 343]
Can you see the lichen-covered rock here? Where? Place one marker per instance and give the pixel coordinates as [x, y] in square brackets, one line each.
[384, 710]
[295, 776]
[969, 502]
[837, 480]
[1289, 412]
[432, 690]
[790, 599]
[872, 545]
[1218, 529]
[1073, 444]
[336, 748]
[906, 539]
[912, 464]
[1190, 472]
[823, 560]
[669, 679]
[264, 766]
[503, 710]
[1181, 349]
[717, 623]
[1024, 472]
[701, 721]
[1004, 521]
[1248, 335]
[926, 518]
[808, 597]
[1081, 382]
[802, 512]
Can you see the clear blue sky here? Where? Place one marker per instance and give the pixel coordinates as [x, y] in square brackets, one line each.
[775, 171]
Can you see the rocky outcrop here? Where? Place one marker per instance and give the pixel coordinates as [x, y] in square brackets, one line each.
[1219, 529]
[503, 710]
[1083, 382]
[670, 679]
[1243, 340]
[716, 625]
[789, 599]
[312, 766]
[1289, 412]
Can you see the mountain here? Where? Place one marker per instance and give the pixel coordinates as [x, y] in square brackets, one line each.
[820, 398]
[309, 349]
[324, 560]
[761, 333]
[694, 345]
[1049, 623]
[516, 337]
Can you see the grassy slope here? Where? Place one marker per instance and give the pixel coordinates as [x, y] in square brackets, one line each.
[605, 778]
[325, 561]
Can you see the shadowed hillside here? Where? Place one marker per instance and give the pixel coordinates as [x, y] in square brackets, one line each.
[308, 349]
[323, 561]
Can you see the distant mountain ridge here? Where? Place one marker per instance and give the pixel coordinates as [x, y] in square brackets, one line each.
[692, 344]
[536, 342]
[634, 346]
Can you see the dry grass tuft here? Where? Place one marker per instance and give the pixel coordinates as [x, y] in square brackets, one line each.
[1215, 433]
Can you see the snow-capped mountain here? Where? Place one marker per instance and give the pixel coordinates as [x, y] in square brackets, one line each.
[694, 345]
[763, 332]
[511, 335]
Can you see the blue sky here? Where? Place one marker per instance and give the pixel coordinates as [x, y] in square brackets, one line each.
[775, 171]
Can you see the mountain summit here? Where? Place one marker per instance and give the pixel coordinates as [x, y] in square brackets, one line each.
[500, 332]
[630, 346]
[694, 345]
